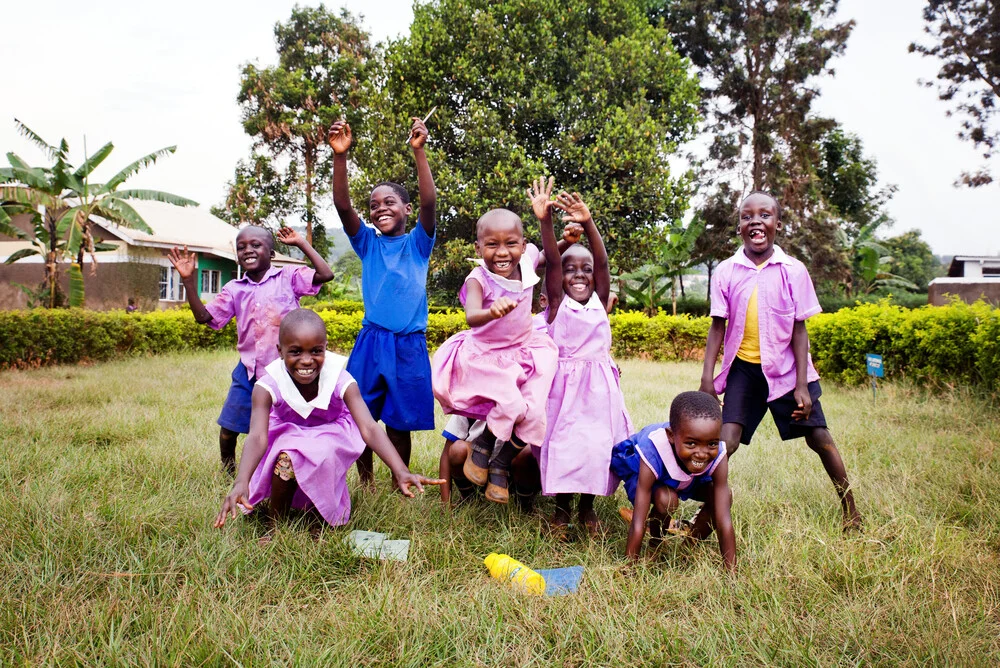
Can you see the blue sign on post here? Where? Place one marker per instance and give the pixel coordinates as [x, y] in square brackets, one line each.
[874, 363]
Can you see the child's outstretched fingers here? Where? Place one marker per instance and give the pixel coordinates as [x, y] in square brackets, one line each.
[540, 195]
[288, 236]
[573, 206]
[339, 137]
[184, 262]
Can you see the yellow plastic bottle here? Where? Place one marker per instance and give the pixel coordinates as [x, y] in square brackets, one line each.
[505, 568]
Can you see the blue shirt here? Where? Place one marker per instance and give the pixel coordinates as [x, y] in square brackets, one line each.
[394, 278]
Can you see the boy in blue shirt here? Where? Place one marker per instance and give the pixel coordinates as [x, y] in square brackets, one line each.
[389, 360]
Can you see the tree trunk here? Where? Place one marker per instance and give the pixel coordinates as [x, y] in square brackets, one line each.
[310, 160]
[673, 292]
[681, 277]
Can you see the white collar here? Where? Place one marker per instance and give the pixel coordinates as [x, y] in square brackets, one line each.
[529, 277]
[328, 376]
[592, 304]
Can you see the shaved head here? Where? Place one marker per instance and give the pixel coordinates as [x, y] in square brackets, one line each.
[498, 218]
[577, 250]
[300, 321]
[262, 233]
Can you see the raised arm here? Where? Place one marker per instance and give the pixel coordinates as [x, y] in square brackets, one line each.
[577, 211]
[339, 139]
[253, 450]
[376, 439]
[722, 500]
[540, 194]
[640, 511]
[186, 263]
[716, 334]
[324, 274]
[425, 180]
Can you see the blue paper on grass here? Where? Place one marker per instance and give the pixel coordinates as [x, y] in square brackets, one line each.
[561, 581]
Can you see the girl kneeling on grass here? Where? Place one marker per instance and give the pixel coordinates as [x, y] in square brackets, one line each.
[671, 462]
[309, 424]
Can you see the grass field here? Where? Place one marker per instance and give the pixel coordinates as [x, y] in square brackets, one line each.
[107, 556]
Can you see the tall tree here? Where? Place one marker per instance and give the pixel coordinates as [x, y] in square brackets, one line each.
[260, 193]
[759, 62]
[60, 201]
[966, 39]
[912, 258]
[590, 93]
[323, 61]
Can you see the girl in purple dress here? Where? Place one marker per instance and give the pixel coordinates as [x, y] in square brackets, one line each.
[586, 413]
[501, 369]
[309, 424]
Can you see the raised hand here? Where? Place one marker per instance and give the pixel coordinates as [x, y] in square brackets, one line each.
[230, 505]
[339, 138]
[572, 233]
[403, 482]
[573, 207]
[502, 307]
[184, 262]
[289, 237]
[540, 195]
[418, 133]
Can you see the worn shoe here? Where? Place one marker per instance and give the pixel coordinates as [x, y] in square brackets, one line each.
[496, 488]
[476, 467]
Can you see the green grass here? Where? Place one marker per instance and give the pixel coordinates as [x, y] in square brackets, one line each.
[107, 556]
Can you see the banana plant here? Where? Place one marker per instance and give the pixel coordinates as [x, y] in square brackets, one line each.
[60, 201]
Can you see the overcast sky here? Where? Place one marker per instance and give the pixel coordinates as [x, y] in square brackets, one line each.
[152, 75]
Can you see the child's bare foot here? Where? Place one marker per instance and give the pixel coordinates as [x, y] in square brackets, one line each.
[559, 524]
[588, 518]
[368, 485]
[626, 514]
[268, 536]
[852, 522]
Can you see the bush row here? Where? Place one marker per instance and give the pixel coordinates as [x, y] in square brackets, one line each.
[959, 343]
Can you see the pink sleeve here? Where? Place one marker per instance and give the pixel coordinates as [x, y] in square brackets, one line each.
[343, 382]
[531, 250]
[719, 291]
[803, 293]
[222, 309]
[302, 281]
[477, 276]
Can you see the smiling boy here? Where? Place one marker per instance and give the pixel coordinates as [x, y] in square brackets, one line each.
[761, 299]
[389, 360]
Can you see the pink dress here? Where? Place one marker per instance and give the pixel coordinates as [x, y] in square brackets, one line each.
[319, 436]
[586, 409]
[500, 372]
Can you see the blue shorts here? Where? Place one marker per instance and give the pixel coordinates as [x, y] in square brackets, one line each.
[393, 372]
[235, 415]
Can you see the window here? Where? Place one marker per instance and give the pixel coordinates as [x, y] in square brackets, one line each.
[210, 279]
[171, 287]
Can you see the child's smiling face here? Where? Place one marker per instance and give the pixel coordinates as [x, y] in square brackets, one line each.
[578, 273]
[388, 211]
[500, 241]
[254, 250]
[696, 442]
[303, 350]
[759, 223]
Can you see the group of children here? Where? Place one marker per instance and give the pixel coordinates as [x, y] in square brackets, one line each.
[510, 381]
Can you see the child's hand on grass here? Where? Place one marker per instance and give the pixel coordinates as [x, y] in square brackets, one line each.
[502, 307]
[339, 137]
[230, 505]
[540, 195]
[183, 261]
[405, 479]
[418, 133]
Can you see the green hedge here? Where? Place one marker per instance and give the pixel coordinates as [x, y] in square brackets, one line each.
[955, 344]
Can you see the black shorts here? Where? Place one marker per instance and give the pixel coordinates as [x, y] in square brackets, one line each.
[745, 403]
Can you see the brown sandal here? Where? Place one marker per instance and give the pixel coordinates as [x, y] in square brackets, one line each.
[496, 489]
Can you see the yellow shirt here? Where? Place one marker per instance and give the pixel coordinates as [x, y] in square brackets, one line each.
[750, 345]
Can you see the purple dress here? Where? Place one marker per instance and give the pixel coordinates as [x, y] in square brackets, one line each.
[500, 372]
[319, 436]
[586, 409]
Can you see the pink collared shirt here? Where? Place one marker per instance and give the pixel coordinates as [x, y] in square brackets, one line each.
[258, 309]
[785, 295]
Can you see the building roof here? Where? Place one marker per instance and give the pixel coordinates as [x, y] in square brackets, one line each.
[957, 267]
[193, 227]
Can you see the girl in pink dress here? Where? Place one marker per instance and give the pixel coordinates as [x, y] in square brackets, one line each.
[308, 425]
[586, 413]
[501, 369]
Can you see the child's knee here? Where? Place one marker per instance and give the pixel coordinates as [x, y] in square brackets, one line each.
[820, 441]
[457, 452]
[665, 500]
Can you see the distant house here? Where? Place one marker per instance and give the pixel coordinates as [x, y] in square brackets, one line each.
[138, 268]
[970, 277]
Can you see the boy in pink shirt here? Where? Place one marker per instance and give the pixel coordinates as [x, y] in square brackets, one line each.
[761, 299]
[258, 301]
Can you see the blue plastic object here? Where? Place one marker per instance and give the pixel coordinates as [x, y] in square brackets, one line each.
[561, 581]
